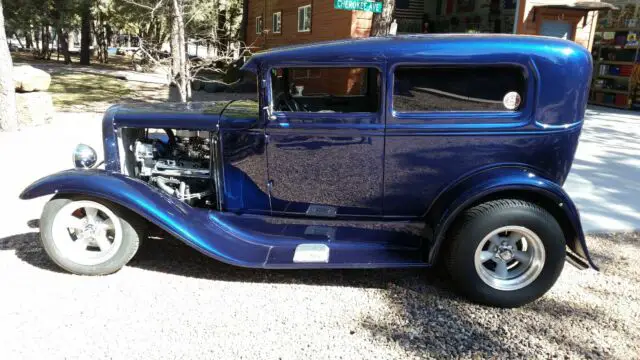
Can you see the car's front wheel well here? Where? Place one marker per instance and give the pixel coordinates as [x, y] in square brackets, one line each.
[133, 216]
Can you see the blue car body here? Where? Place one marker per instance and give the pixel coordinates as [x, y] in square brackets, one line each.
[378, 189]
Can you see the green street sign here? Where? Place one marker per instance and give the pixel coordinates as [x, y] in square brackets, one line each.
[361, 5]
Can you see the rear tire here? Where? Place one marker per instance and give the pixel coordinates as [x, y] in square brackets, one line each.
[505, 253]
[87, 236]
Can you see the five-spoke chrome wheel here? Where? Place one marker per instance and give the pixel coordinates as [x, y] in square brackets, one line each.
[510, 258]
[86, 232]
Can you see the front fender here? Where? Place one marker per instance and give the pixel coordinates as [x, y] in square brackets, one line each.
[191, 225]
[509, 181]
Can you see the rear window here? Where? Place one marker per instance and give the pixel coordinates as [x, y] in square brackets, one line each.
[471, 88]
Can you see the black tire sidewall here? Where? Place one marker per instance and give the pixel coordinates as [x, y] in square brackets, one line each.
[469, 236]
[128, 248]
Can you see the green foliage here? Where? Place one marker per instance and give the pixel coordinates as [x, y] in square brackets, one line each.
[208, 20]
[20, 15]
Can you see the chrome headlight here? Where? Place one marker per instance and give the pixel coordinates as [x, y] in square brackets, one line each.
[84, 156]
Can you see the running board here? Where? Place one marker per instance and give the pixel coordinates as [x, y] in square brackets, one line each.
[312, 243]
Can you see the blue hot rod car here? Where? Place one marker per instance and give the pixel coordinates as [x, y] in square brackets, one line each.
[383, 152]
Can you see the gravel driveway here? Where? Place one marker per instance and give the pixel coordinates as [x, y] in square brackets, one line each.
[172, 302]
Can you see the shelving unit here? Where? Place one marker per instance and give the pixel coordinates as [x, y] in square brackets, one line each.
[617, 62]
[614, 61]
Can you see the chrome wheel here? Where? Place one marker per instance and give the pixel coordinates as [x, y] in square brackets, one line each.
[86, 232]
[510, 258]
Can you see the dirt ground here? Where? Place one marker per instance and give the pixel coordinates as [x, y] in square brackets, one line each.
[172, 302]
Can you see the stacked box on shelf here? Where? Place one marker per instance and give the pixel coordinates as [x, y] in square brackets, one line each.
[609, 99]
[621, 100]
[599, 97]
[625, 70]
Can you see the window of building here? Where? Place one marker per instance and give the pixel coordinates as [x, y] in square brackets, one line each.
[276, 22]
[304, 18]
[327, 90]
[259, 25]
[469, 88]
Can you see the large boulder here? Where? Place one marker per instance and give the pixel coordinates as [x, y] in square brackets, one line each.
[27, 79]
[213, 87]
[35, 108]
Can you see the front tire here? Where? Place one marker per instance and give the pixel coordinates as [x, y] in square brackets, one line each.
[89, 236]
[506, 253]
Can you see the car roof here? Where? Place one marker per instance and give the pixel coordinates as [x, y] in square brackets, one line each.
[379, 49]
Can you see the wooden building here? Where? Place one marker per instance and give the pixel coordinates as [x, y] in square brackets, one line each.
[273, 23]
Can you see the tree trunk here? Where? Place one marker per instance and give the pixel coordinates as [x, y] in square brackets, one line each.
[28, 37]
[57, 48]
[382, 21]
[175, 51]
[36, 36]
[46, 40]
[8, 112]
[85, 33]
[101, 35]
[108, 33]
[245, 20]
[179, 64]
[182, 80]
[19, 42]
[63, 40]
[63, 36]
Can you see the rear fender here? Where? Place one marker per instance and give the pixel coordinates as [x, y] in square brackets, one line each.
[509, 182]
[191, 225]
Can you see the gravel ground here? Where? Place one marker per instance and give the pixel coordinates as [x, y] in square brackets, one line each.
[172, 302]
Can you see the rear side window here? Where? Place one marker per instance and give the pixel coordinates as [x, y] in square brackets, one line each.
[470, 88]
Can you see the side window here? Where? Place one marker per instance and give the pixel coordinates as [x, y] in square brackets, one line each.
[468, 88]
[259, 25]
[276, 22]
[343, 90]
[304, 18]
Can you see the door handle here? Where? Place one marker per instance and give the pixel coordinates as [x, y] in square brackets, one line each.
[269, 112]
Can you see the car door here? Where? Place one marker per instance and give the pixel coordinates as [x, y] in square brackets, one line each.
[325, 148]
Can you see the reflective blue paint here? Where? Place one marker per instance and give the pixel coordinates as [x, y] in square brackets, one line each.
[236, 240]
[338, 164]
[389, 168]
[189, 224]
[506, 179]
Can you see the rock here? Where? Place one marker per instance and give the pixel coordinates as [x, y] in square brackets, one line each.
[213, 87]
[196, 85]
[27, 79]
[35, 108]
[242, 87]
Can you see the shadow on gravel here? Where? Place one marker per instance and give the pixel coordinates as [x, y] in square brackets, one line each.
[427, 319]
[426, 324]
[554, 326]
[28, 249]
[173, 257]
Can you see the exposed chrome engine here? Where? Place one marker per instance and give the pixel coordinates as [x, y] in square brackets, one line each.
[176, 161]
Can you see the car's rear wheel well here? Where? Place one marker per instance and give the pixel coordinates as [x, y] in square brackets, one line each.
[547, 203]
